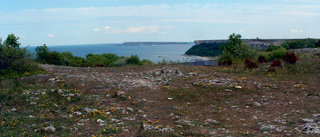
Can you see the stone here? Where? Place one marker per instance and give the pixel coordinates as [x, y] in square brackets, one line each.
[257, 104]
[13, 110]
[77, 113]
[238, 87]
[100, 121]
[130, 109]
[315, 115]
[119, 93]
[210, 121]
[113, 120]
[307, 120]
[50, 129]
[129, 118]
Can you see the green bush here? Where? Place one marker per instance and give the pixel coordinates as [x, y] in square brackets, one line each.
[146, 62]
[103, 60]
[45, 56]
[236, 50]
[273, 48]
[301, 43]
[277, 54]
[15, 61]
[134, 60]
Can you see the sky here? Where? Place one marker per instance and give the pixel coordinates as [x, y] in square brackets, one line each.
[68, 22]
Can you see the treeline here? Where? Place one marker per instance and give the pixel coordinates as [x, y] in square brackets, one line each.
[206, 49]
[45, 56]
[18, 62]
[236, 52]
[216, 49]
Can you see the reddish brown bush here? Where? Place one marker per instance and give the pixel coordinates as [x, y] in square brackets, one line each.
[290, 58]
[225, 62]
[250, 63]
[262, 59]
[272, 69]
[276, 63]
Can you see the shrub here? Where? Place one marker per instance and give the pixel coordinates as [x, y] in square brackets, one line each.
[15, 61]
[250, 63]
[262, 59]
[300, 43]
[272, 69]
[290, 58]
[273, 48]
[276, 63]
[146, 62]
[277, 54]
[227, 62]
[134, 60]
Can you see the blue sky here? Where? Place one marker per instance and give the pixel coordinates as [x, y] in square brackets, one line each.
[65, 22]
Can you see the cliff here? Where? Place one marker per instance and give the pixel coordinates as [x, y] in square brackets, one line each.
[152, 43]
[254, 43]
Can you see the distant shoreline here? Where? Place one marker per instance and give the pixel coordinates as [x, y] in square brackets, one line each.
[199, 57]
[154, 43]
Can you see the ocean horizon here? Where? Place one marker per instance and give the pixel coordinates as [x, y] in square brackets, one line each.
[154, 53]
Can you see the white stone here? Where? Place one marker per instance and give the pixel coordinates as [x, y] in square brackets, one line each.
[100, 121]
[238, 87]
[77, 113]
[50, 129]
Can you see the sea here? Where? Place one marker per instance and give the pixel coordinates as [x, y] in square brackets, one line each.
[154, 53]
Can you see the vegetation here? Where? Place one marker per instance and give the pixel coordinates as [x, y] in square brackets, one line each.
[15, 61]
[302, 43]
[250, 63]
[158, 100]
[206, 49]
[290, 58]
[45, 56]
[236, 50]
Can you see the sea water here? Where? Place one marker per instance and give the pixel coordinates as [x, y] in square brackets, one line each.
[154, 53]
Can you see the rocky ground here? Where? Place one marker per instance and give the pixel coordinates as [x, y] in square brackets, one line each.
[172, 100]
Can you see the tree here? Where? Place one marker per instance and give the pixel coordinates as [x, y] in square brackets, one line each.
[42, 53]
[12, 41]
[317, 44]
[234, 43]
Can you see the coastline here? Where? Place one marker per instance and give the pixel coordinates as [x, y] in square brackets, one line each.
[199, 58]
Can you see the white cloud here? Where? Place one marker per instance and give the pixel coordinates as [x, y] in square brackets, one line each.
[50, 35]
[139, 29]
[96, 29]
[296, 31]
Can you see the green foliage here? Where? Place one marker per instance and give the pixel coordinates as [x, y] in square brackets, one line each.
[134, 60]
[317, 44]
[14, 61]
[273, 48]
[146, 62]
[103, 60]
[12, 41]
[236, 50]
[225, 59]
[234, 43]
[301, 43]
[277, 54]
[206, 49]
[44, 55]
